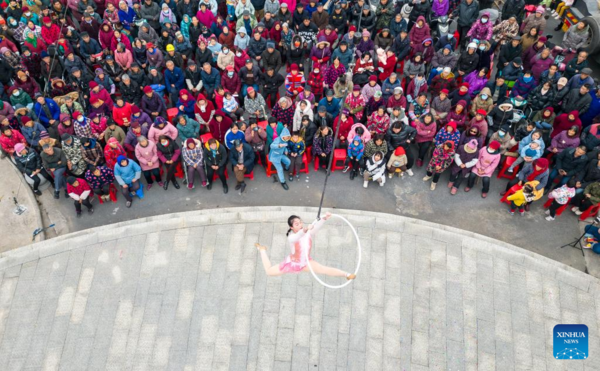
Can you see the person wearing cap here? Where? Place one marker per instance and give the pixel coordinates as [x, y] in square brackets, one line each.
[193, 157]
[46, 110]
[153, 104]
[31, 130]
[79, 190]
[50, 70]
[168, 152]
[127, 173]
[241, 156]
[510, 51]
[443, 81]
[580, 79]
[130, 90]
[100, 178]
[331, 103]
[308, 31]
[338, 19]
[512, 71]
[468, 60]
[285, 16]
[154, 56]
[50, 31]
[30, 163]
[271, 83]
[576, 65]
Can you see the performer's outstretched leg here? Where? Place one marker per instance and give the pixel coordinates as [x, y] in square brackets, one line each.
[328, 271]
[271, 270]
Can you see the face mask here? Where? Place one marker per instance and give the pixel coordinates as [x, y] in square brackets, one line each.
[230, 74]
[80, 119]
[482, 47]
[164, 142]
[484, 20]
[225, 51]
[484, 96]
[17, 93]
[238, 54]
[316, 71]
[501, 134]
[28, 14]
[13, 23]
[528, 79]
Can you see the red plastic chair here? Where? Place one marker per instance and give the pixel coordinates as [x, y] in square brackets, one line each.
[305, 164]
[112, 191]
[511, 191]
[205, 137]
[504, 174]
[560, 209]
[308, 152]
[179, 171]
[215, 175]
[172, 113]
[338, 155]
[250, 176]
[262, 124]
[590, 213]
[269, 168]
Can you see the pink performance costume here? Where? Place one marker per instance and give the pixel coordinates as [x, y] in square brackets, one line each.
[300, 246]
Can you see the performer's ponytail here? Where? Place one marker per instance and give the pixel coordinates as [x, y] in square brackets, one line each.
[291, 223]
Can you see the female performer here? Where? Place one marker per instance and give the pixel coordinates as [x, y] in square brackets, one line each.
[300, 239]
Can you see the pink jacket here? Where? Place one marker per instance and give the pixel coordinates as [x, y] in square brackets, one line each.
[486, 163]
[124, 59]
[366, 135]
[155, 132]
[291, 4]
[147, 154]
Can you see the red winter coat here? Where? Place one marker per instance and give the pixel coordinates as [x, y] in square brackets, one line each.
[103, 95]
[8, 143]
[316, 81]
[344, 128]
[562, 123]
[6, 43]
[233, 84]
[218, 129]
[50, 34]
[388, 67]
[121, 113]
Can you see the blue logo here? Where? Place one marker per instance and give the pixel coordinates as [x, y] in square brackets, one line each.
[571, 342]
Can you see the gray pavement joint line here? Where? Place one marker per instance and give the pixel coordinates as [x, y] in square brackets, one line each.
[21, 254]
[32, 200]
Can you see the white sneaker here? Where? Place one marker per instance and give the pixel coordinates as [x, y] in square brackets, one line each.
[366, 183]
[578, 212]
[549, 218]
[574, 209]
[390, 175]
[381, 184]
[409, 172]
[426, 178]
[547, 212]
[509, 170]
[433, 186]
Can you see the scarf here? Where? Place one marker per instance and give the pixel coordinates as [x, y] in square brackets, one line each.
[32, 40]
[541, 162]
[418, 83]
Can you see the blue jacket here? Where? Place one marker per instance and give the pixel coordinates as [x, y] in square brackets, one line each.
[41, 114]
[296, 147]
[594, 110]
[276, 152]
[387, 89]
[174, 77]
[332, 107]
[527, 140]
[127, 174]
[356, 151]
[345, 57]
[248, 159]
[230, 137]
[213, 80]
[32, 134]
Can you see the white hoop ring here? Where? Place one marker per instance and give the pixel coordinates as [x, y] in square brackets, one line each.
[359, 248]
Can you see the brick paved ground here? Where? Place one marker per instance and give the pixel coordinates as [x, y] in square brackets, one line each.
[188, 292]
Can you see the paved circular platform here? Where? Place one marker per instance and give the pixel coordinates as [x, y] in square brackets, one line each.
[188, 292]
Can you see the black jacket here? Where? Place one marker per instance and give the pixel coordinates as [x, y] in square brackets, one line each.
[513, 8]
[467, 62]
[203, 57]
[248, 159]
[131, 93]
[394, 140]
[501, 91]
[467, 14]
[327, 120]
[271, 60]
[29, 163]
[401, 47]
[308, 133]
[220, 159]
[566, 161]
[508, 53]
[590, 175]
[338, 21]
[271, 84]
[575, 101]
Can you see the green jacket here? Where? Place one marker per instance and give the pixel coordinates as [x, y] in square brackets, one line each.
[23, 99]
[593, 190]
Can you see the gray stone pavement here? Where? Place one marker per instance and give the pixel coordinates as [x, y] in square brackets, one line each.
[17, 229]
[188, 292]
